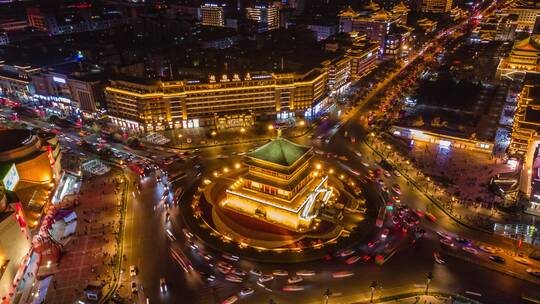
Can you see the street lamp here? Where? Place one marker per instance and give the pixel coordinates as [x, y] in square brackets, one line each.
[214, 133]
[327, 294]
[373, 285]
[428, 280]
[270, 127]
[180, 139]
[318, 166]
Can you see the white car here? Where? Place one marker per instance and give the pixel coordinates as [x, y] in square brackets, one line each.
[280, 273]
[231, 300]
[469, 250]
[230, 257]
[487, 249]
[523, 261]
[162, 285]
[266, 278]
[305, 273]
[534, 272]
[132, 270]
[233, 278]
[246, 292]
[239, 272]
[294, 280]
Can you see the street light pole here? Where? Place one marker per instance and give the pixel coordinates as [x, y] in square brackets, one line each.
[428, 280]
[373, 285]
[327, 294]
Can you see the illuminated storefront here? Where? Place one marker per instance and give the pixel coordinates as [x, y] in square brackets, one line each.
[444, 141]
[280, 187]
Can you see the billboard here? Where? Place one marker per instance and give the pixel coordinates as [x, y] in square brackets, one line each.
[11, 178]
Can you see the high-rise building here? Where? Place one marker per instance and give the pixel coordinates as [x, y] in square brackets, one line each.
[527, 12]
[266, 14]
[213, 13]
[436, 6]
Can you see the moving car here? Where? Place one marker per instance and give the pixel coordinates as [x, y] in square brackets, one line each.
[384, 233]
[447, 242]
[233, 278]
[469, 250]
[522, 260]
[162, 285]
[134, 288]
[293, 288]
[342, 274]
[238, 272]
[246, 292]
[230, 257]
[487, 249]
[444, 235]
[231, 300]
[353, 259]
[497, 259]
[534, 272]
[132, 270]
[430, 217]
[345, 253]
[305, 273]
[266, 278]
[280, 273]
[438, 259]
[294, 280]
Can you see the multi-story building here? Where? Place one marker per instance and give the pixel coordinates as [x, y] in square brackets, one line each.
[9, 25]
[495, 28]
[378, 25]
[339, 74]
[524, 58]
[436, 6]
[226, 101]
[527, 12]
[213, 13]
[266, 14]
[525, 139]
[402, 10]
[59, 21]
[15, 81]
[323, 30]
[68, 89]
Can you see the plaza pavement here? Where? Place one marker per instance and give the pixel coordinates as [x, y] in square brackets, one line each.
[88, 257]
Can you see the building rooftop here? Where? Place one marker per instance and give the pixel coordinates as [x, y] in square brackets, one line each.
[280, 151]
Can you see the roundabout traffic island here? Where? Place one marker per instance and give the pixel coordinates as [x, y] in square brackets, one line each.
[279, 206]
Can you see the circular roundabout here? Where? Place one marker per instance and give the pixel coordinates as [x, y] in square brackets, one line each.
[279, 205]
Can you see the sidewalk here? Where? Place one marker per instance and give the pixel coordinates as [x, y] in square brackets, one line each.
[478, 215]
[88, 257]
